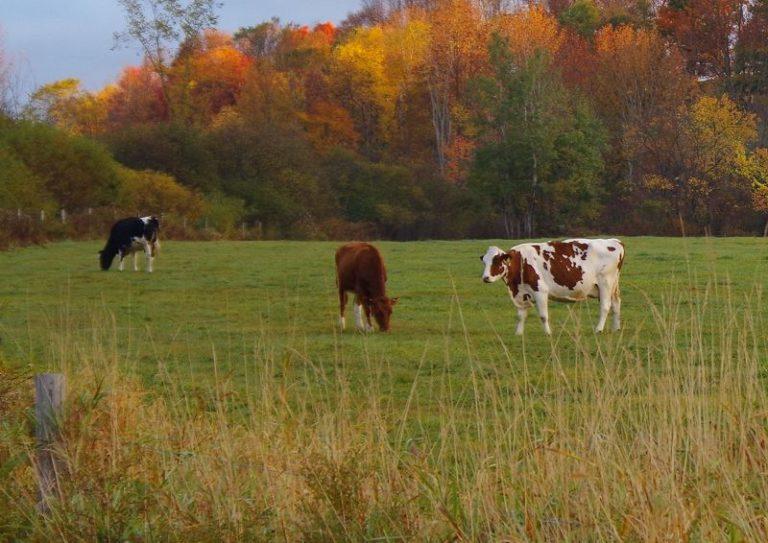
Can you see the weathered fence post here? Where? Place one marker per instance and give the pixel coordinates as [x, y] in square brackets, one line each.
[63, 216]
[42, 215]
[49, 397]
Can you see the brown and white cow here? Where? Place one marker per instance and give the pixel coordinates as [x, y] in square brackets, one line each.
[360, 269]
[570, 270]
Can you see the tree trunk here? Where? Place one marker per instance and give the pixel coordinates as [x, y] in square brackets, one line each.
[441, 122]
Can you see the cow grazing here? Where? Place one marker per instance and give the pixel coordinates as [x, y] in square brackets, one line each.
[360, 269]
[128, 236]
[571, 270]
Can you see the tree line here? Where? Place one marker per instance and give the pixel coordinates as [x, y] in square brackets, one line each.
[418, 118]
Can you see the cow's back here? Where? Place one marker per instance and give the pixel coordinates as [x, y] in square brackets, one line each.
[359, 265]
[571, 269]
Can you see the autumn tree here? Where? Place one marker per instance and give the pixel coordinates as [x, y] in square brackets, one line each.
[706, 173]
[750, 80]
[457, 53]
[7, 84]
[638, 87]
[583, 16]
[704, 30]
[136, 98]
[206, 77]
[542, 151]
[65, 104]
[756, 172]
[160, 26]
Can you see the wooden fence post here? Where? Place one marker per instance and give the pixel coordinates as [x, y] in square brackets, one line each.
[49, 397]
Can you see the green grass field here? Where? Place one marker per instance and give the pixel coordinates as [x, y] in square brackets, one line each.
[220, 389]
[232, 297]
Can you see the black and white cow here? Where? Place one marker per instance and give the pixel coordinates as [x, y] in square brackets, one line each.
[128, 236]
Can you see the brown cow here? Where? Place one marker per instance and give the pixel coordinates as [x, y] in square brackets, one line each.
[360, 269]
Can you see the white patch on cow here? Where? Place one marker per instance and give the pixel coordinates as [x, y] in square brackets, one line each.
[490, 254]
[522, 314]
[542, 307]
[599, 267]
[359, 317]
[616, 307]
[148, 253]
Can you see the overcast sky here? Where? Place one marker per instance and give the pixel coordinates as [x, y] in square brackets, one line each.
[54, 39]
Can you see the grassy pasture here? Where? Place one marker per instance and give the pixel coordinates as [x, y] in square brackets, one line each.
[219, 388]
[228, 298]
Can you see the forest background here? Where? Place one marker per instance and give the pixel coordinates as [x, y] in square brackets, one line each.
[411, 119]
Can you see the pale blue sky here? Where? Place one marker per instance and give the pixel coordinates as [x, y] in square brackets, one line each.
[54, 39]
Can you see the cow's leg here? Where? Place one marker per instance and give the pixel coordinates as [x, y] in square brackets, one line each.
[135, 261]
[605, 290]
[368, 325]
[359, 313]
[522, 313]
[542, 307]
[121, 254]
[616, 306]
[342, 308]
[148, 253]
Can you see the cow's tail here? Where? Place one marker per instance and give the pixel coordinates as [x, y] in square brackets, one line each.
[107, 254]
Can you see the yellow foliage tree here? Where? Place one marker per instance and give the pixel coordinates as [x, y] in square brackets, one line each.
[147, 191]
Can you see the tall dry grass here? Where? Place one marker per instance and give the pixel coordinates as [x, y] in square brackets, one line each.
[668, 443]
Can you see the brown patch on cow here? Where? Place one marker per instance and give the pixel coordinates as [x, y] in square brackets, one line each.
[582, 246]
[611, 249]
[564, 271]
[512, 278]
[498, 263]
[519, 271]
[621, 261]
[530, 277]
[360, 269]
[537, 248]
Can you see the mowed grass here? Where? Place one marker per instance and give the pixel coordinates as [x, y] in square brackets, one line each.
[216, 400]
[224, 300]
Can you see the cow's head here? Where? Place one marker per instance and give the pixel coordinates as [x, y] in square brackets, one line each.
[496, 264]
[381, 308]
